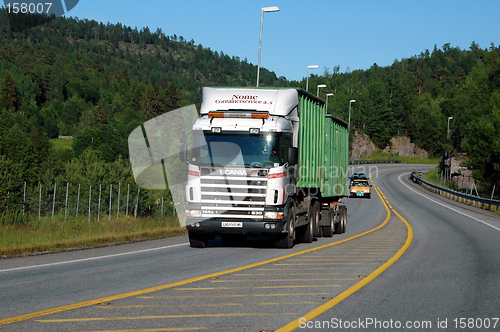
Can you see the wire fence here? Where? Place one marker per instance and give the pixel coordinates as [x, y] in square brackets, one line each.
[460, 196]
[464, 184]
[95, 203]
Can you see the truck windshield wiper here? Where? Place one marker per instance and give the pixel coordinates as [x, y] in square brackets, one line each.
[253, 165]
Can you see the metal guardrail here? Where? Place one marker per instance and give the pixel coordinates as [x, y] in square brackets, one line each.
[417, 178]
[375, 161]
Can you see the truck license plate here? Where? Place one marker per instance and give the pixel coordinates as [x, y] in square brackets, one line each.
[361, 194]
[233, 224]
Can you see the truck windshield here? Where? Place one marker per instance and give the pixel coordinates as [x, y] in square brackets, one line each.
[237, 150]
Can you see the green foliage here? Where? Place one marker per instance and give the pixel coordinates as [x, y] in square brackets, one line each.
[407, 160]
[24, 144]
[11, 184]
[21, 236]
[432, 175]
[103, 138]
[97, 82]
[8, 93]
[90, 169]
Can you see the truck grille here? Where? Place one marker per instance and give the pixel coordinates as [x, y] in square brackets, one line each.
[237, 197]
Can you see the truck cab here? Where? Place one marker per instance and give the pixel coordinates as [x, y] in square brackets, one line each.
[243, 167]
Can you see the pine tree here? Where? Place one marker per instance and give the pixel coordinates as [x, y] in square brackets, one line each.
[148, 102]
[99, 116]
[174, 98]
[125, 75]
[9, 93]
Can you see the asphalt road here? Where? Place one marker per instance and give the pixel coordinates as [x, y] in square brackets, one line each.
[450, 270]
[450, 274]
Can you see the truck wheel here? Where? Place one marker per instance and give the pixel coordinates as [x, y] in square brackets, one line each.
[338, 226]
[328, 230]
[316, 216]
[344, 220]
[307, 236]
[285, 241]
[197, 240]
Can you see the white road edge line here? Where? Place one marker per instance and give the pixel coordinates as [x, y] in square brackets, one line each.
[92, 258]
[446, 206]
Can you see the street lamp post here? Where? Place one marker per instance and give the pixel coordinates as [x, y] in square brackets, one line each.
[328, 94]
[349, 125]
[448, 134]
[307, 81]
[320, 86]
[262, 10]
[448, 138]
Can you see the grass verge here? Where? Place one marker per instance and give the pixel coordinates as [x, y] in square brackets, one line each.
[431, 175]
[61, 144]
[407, 160]
[43, 235]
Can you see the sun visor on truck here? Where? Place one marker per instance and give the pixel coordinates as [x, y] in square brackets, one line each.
[276, 102]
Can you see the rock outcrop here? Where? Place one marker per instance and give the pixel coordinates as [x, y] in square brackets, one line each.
[460, 174]
[362, 146]
[404, 148]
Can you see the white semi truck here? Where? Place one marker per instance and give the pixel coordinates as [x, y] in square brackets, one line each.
[265, 161]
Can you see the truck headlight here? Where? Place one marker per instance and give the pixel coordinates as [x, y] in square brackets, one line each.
[273, 215]
[193, 213]
[367, 191]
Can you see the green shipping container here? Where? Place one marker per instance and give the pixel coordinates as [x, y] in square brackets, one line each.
[323, 148]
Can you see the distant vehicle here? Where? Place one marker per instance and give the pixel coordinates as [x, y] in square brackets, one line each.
[357, 176]
[361, 176]
[360, 188]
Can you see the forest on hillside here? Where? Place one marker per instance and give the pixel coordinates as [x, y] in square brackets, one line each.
[97, 82]
[415, 97]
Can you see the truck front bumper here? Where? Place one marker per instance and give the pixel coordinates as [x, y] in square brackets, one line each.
[235, 226]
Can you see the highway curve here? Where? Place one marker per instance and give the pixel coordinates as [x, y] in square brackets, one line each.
[403, 258]
[448, 276]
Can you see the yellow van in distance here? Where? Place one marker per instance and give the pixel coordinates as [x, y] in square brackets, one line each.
[360, 188]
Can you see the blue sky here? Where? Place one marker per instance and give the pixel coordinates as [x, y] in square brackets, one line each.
[352, 34]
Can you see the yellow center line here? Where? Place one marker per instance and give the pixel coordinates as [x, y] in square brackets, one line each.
[93, 319]
[232, 295]
[281, 280]
[166, 329]
[188, 281]
[335, 263]
[351, 290]
[198, 305]
[341, 256]
[290, 274]
[256, 287]
[376, 247]
[333, 259]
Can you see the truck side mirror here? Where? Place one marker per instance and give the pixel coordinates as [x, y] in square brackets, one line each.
[183, 153]
[293, 155]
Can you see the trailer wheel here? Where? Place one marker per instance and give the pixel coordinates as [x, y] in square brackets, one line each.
[328, 230]
[344, 220]
[338, 226]
[285, 241]
[197, 240]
